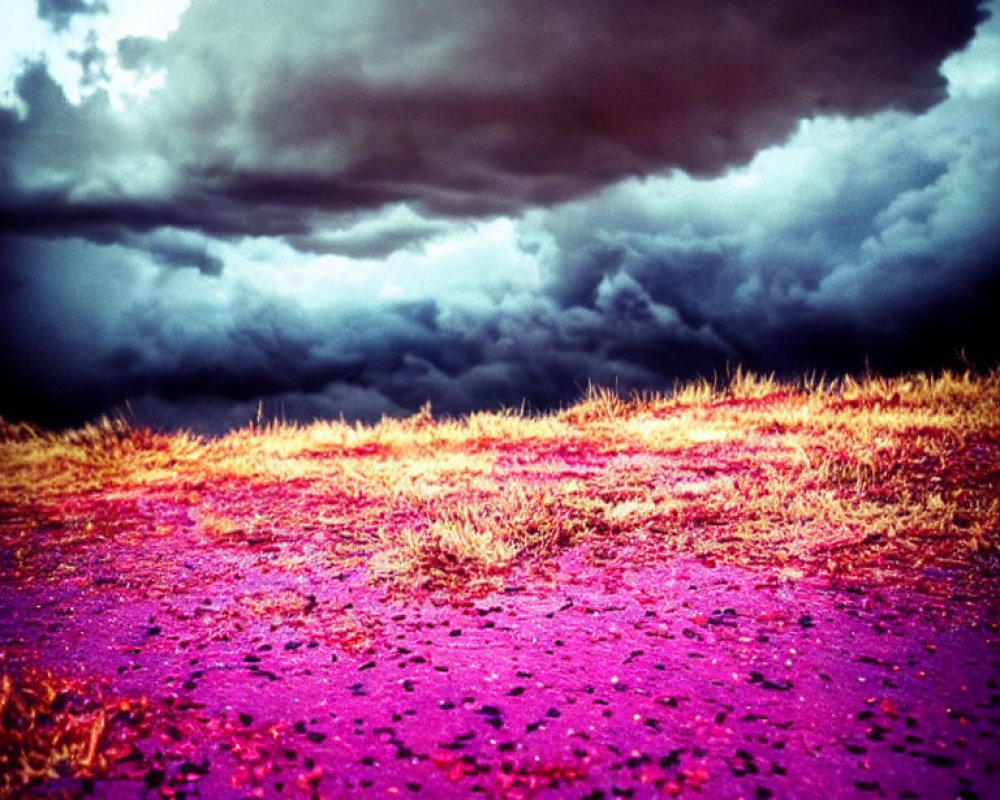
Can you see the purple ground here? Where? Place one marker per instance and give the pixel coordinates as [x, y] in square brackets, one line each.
[590, 682]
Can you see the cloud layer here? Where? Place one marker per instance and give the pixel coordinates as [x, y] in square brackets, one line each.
[376, 206]
[459, 110]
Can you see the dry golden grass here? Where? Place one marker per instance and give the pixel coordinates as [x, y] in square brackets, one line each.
[469, 542]
[50, 729]
[880, 476]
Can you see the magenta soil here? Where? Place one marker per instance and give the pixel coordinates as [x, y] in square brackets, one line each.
[222, 678]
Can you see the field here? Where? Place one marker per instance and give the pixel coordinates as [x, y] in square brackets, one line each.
[748, 590]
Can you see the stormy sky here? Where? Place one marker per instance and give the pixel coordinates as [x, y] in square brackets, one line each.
[325, 208]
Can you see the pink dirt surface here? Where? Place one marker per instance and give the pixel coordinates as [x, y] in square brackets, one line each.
[580, 681]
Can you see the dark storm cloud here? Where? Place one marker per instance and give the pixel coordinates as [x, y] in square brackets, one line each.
[271, 113]
[59, 13]
[491, 107]
[80, 171]
[874, 241]
[164, 350]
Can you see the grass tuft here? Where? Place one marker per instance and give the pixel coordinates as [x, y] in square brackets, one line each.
[52, 728]
[476, 540]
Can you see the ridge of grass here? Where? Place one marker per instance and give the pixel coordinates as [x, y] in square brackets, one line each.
[877, 477]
